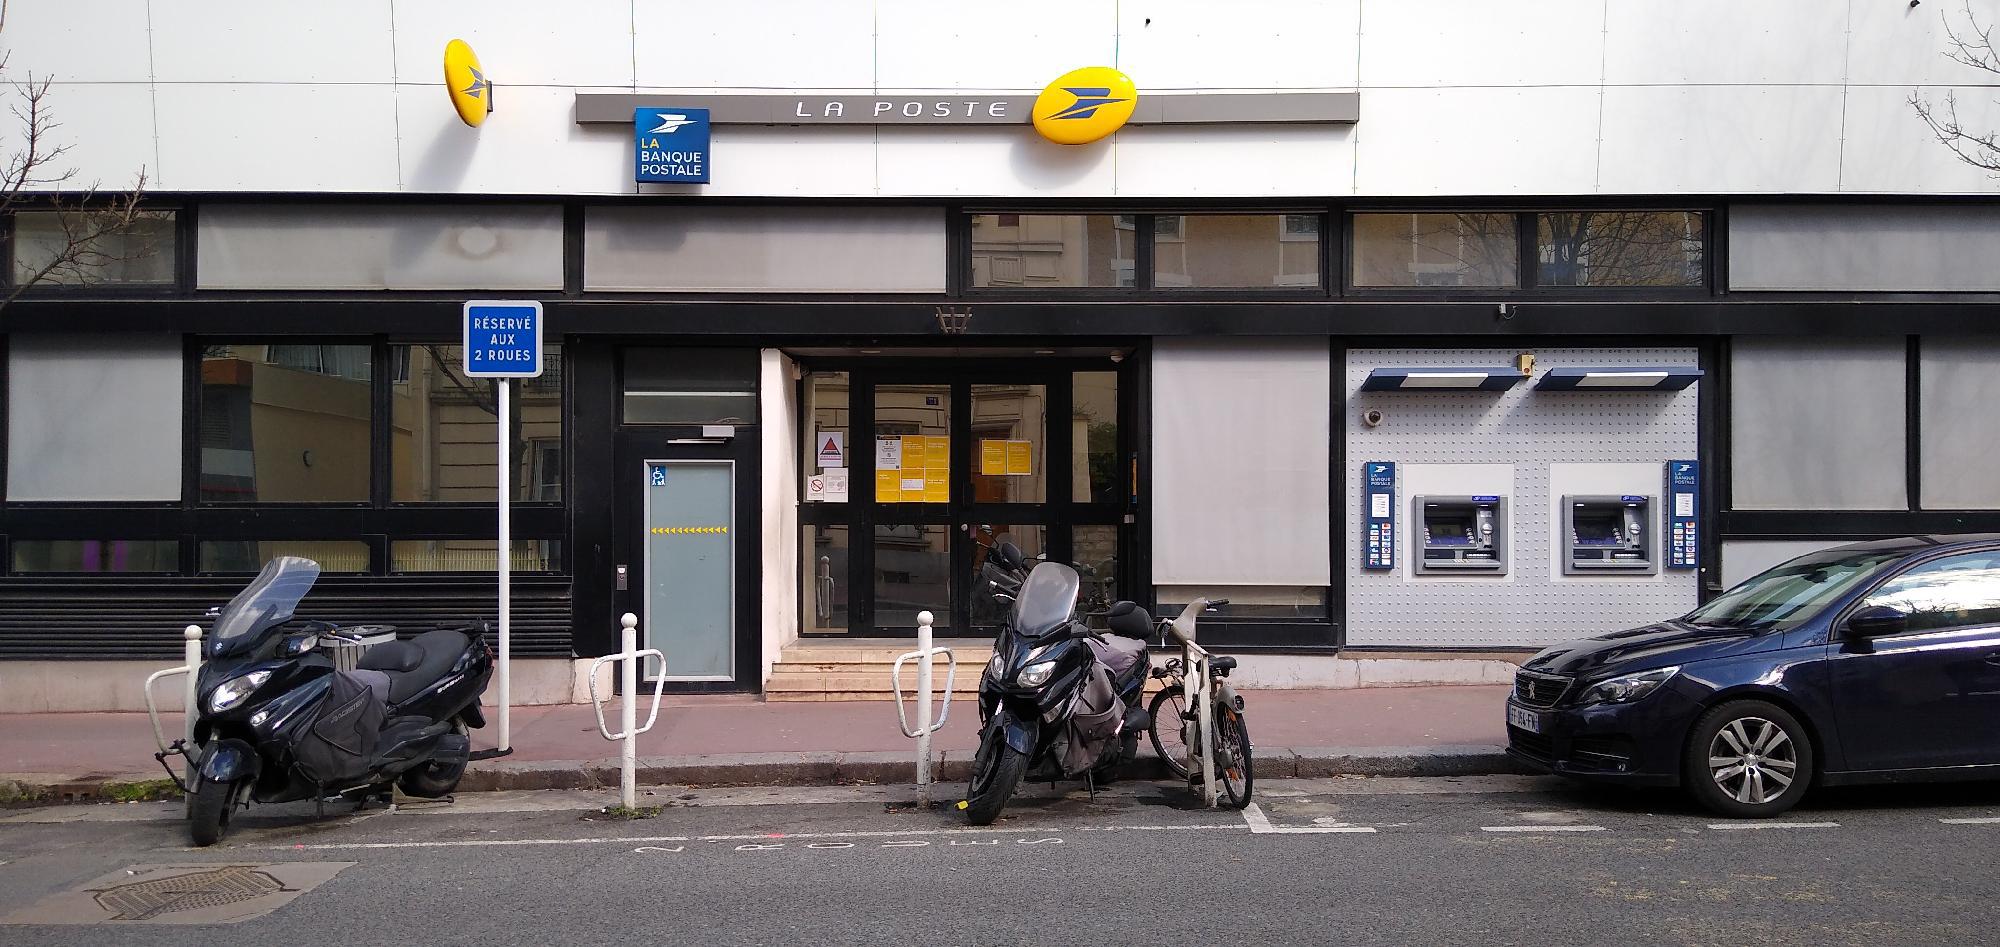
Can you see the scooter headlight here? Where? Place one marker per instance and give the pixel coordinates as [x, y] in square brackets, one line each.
[996, 667]
[232, 692]
[1035, 675]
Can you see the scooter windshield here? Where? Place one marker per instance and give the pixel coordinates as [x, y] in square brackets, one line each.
[266, 603]
[1046, 600]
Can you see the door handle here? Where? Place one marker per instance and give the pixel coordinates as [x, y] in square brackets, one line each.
[623, 575]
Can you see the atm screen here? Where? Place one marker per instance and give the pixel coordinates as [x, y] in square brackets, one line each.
[1448, 529]
[1598, 527]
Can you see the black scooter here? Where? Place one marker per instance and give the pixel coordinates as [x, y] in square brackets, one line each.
[278, 722]
[1057, 700]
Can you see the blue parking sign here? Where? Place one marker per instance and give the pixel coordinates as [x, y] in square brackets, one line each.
[503, 338]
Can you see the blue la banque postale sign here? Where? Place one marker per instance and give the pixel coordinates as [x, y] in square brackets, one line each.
[670, 145]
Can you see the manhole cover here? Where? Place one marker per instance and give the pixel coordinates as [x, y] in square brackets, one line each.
[179, 894]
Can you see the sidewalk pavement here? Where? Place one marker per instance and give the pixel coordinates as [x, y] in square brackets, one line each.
[743, 740]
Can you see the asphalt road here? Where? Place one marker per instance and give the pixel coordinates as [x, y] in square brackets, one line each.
[1493, 860]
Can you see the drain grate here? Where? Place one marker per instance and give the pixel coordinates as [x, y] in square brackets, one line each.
[179, 894]
[145, 900]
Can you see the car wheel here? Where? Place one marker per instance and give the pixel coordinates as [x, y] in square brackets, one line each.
[1750, 759]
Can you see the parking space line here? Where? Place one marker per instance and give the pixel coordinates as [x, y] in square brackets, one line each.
[756, 837]
[1260, 824]
[1739, 826]
[1988, 820]
[1541, 828]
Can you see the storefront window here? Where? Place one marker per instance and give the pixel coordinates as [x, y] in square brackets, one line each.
[824, 549]
[1235, 251]
[910, 456]
[1249, 601]
[252, 555]
[1094, 468]
[1446, 250]
[690, 386]
[988, 612]
[1051, 250]
[1008, 443]
[95, 555]
[443, 437]
[1096, 556]
[471, 555]
[828, 446]
[912, 574]
[1620, 248]
[139, 255]
[286, 423]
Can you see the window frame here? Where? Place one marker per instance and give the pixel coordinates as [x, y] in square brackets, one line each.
[182, 265]
[1143, 223]
[1528, 254]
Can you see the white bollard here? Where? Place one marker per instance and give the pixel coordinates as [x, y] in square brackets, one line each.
[191, 648]
[924, 620]
[628, 714]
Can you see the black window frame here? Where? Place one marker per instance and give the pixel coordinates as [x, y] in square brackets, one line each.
[1528, 254]
[1145, 235]
[181, 284]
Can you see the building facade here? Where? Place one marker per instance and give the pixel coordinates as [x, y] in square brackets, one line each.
[1439, 326]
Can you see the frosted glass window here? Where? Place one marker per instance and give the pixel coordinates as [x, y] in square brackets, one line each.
[1958, 426]
[1817, 424]
[96, 418]
[1241, 442]
[1809, 247]
[306, 246]
[755, 249]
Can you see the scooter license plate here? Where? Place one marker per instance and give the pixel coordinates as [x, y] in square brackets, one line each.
[1524, 718]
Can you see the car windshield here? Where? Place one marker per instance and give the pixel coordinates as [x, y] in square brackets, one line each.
[268, 600]
[1785, 596]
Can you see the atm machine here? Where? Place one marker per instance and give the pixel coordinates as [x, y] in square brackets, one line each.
[1461, 534]
[1608, 534]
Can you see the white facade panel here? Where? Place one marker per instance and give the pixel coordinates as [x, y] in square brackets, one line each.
[94, 418]
[923, 44]
[991, 159]
[1249, 44]
[1241, 434]
[1735, 139]
[1468, 43]
[278, 137]
[253, 43]
[108, 129]
[780, 160]
[1265, 160]
[1476, 141]
[1888, 149]
[1779, 42]
[1896, 44]
[520, 43]
[102, 41]
[772, 45]
[515, 152]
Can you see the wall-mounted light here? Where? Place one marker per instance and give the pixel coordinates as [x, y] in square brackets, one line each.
[306, 457]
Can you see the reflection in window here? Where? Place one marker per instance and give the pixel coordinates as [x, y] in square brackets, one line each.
[1051, 250]
[1235, 251]
[142, 254]
[1094, 467]
[912, 574]
[1620, 248]
[252, 555]
[1397, 250]
[1953, 592]
[285, 423]
[471, 555]
[95, 555]
[824, 549]
[1095, 551]
[442, 431]
[909, 460]
[988, 612]
[690, 386]
[1008, 443]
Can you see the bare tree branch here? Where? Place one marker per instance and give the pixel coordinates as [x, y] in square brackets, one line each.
[1971, 44]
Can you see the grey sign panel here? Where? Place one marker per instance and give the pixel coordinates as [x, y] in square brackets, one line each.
[1211, 108]
[691, 567]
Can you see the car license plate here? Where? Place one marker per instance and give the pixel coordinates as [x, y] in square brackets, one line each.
[1524, 718]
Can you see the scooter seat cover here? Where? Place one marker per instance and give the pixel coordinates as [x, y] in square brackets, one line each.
[1120, 654]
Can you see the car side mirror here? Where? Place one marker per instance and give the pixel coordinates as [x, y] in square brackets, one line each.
[1876, 621]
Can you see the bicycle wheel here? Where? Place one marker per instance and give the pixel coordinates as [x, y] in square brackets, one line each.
[1232, 756]
[1169, 731]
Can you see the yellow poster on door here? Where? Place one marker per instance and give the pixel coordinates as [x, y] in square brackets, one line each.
[888, 486]
[1020, 459]
[992, 458]
[937, 485]
[937, 453]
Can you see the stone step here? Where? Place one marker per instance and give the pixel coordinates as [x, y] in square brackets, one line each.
[965, 683]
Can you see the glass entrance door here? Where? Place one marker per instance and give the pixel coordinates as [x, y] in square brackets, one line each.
[940, 468]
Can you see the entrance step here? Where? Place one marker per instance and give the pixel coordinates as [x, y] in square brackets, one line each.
[859, 668]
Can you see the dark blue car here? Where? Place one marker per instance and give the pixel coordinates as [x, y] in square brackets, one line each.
[1872, 662]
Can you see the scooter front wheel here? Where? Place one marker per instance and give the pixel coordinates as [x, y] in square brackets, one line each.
[995, 772]
[208, 817]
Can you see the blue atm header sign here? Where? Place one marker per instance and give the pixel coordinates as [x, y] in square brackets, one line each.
[670, 145]
[503, 338]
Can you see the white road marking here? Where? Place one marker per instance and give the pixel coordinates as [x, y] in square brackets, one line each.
[1736, 826]
[1260, 824]
[1541, 828]
[758, 837]
[1990, 820]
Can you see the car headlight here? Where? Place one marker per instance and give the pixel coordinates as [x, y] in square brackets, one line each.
[232, 692]
[1626, 689]
[996, 667]
[1035, 675]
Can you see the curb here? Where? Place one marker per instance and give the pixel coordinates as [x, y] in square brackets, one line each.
[810, 769]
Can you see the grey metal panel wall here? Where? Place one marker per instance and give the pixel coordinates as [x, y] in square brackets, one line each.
[1818, 424]
[1530, 430]
[1960, 423]
[1848, 248]
[94, 418]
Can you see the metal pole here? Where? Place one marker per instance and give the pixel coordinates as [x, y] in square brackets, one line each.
[924, 620]
[628, 675]
[504, 390]
[191, 646]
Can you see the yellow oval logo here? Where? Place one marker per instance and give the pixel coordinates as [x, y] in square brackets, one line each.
[471, 92]
[1085, 105]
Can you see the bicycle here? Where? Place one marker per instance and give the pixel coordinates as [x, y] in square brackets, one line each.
[1176, 746]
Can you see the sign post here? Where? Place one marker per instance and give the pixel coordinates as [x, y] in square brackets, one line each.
[503, 341]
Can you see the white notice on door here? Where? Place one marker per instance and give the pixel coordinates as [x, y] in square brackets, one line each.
[1683, 504]
[888, 453]
[1378, 506]
[832, 449]
[833, 485]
